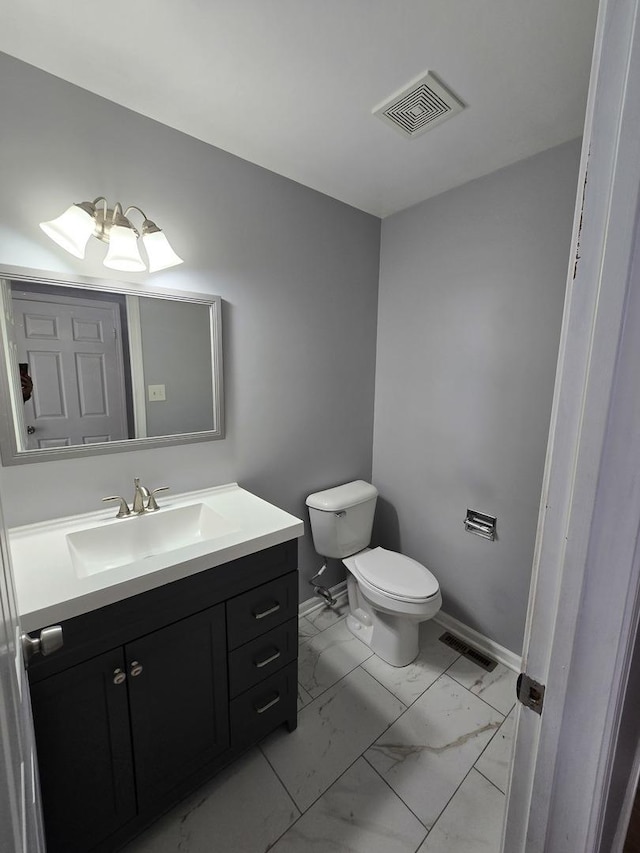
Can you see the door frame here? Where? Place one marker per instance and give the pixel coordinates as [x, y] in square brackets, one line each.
[21, 824]
[585, 593]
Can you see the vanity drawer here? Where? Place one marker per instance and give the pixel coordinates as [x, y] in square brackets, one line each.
[259, 658]
[259, 710]
[255, 612]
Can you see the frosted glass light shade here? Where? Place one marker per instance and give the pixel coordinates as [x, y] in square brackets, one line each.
[159, 252]
[71, 230]
[123, 251]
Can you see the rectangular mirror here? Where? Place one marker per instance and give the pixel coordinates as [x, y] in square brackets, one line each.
[95, 367]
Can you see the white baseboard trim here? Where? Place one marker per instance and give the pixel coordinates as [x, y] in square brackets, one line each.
[469, 635]
[475, 638]
[339, 591]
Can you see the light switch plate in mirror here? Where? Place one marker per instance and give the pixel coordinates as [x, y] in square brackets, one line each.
[90, 349]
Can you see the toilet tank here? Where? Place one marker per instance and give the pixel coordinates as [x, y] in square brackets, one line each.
[342, 518]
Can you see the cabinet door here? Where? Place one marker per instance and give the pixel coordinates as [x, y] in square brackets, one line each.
[178, 701]
[81, 721]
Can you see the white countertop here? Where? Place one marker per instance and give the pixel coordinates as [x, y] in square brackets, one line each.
[50, 589]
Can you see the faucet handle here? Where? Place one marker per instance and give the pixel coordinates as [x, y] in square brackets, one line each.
[152, 505]
[124, 510]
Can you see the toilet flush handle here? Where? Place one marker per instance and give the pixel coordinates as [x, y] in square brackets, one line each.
[340, 514]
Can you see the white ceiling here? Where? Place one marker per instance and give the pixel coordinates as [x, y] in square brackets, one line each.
[290, 84]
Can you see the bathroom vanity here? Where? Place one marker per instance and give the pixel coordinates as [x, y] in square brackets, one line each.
[155, 690]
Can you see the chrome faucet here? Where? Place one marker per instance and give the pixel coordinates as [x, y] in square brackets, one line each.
[140, 495]
[143, 500]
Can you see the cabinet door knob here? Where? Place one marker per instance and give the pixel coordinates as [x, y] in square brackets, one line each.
[136, 668]
[118, 676]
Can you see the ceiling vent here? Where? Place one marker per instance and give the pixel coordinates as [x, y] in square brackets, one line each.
[421, 105]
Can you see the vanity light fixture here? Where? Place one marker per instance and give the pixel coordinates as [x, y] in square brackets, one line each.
[73, 228]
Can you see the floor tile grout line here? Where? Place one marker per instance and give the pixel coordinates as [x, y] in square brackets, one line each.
[489, 780]
[340, 679]
[319, 797]
[380, 682]
[282, 835]
[443, 810]
[277, 775]
[493, 737]
[407, 705]
[482, 699]
[361, 755]
[305, 639]
[395, 793]
[464, 688]
[430, 686]
[475, 696]
[473, 766]
[346, 770]
[370, 655]
[360, 665]
[351, 671]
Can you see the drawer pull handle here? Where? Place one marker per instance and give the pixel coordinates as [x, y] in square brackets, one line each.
[259, 664]
[136, 668]
[266, 707]
[268, 612]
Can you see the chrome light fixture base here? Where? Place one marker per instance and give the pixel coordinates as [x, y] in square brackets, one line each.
[105, 218]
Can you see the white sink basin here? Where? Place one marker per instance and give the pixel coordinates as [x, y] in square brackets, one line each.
[69, 566]
[136, 538]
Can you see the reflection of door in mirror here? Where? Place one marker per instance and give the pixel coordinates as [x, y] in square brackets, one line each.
[73, 347]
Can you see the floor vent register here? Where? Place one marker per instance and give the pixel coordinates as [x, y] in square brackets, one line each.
[468, 651]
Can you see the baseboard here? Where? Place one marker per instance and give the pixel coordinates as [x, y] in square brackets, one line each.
[469, 635]
[475, 638]
[339, 592]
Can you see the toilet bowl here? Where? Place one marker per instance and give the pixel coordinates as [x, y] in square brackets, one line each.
[389, 593]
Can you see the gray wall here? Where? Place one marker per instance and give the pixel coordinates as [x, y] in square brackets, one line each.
[298, 272]
[176, 353]
[471, 294]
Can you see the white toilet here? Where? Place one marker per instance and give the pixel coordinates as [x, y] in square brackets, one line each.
[389, 594]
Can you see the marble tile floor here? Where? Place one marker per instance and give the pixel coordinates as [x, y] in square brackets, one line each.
[384, 760]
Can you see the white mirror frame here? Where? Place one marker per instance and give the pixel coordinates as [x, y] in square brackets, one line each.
[11, 407]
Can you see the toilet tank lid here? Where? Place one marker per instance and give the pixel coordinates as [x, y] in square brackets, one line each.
[342, 497]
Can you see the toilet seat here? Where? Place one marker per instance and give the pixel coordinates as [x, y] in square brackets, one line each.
[396, 576]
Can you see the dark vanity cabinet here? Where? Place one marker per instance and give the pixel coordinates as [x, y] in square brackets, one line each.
[84, 753]
[151, 696]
